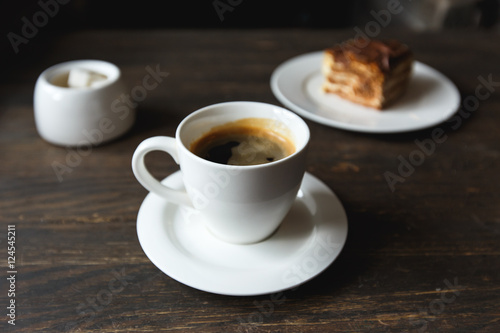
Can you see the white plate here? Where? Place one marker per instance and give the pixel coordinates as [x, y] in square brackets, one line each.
[310, 238]
[431, 98]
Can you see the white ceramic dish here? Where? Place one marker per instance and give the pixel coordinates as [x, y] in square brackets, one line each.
[431, 98]
[241, 204]
[81, 116]
[308, 241]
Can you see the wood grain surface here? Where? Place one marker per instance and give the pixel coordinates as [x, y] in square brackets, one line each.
[424, 256]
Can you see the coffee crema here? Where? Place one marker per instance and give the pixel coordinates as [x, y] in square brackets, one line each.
[248, 141]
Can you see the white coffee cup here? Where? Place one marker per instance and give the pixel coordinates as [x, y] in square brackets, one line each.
[83, 116]
[239, 204]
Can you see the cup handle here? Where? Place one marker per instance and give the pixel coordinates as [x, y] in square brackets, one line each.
[168, 145]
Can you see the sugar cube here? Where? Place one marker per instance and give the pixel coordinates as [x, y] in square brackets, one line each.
[82, 78]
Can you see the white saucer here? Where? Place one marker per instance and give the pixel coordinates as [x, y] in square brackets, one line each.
[431, 98]
[310, 238]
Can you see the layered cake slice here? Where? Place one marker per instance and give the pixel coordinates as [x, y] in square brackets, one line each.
[374, 75]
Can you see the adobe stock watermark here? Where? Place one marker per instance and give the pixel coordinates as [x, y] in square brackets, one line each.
[211, 190]
[294, 275]
[121, 107]
[88, 310]
[322, 252]
[221, 179]
[223, 6]
[437, 306]
[30, 28]
[427, 147]
[373, 28]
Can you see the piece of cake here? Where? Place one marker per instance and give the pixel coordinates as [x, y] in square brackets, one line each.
[373, 73]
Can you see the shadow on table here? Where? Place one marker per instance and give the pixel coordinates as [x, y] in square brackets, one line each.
[366, 234]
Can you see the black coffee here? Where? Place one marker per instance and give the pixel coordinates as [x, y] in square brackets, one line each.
[244, 142]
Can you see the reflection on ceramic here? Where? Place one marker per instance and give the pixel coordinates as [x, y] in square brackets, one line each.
[431, 98]
[310, 238]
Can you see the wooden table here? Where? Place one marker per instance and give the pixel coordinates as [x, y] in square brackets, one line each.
[420, 256]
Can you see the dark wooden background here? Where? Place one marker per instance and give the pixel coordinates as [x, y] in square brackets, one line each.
[439, 229]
